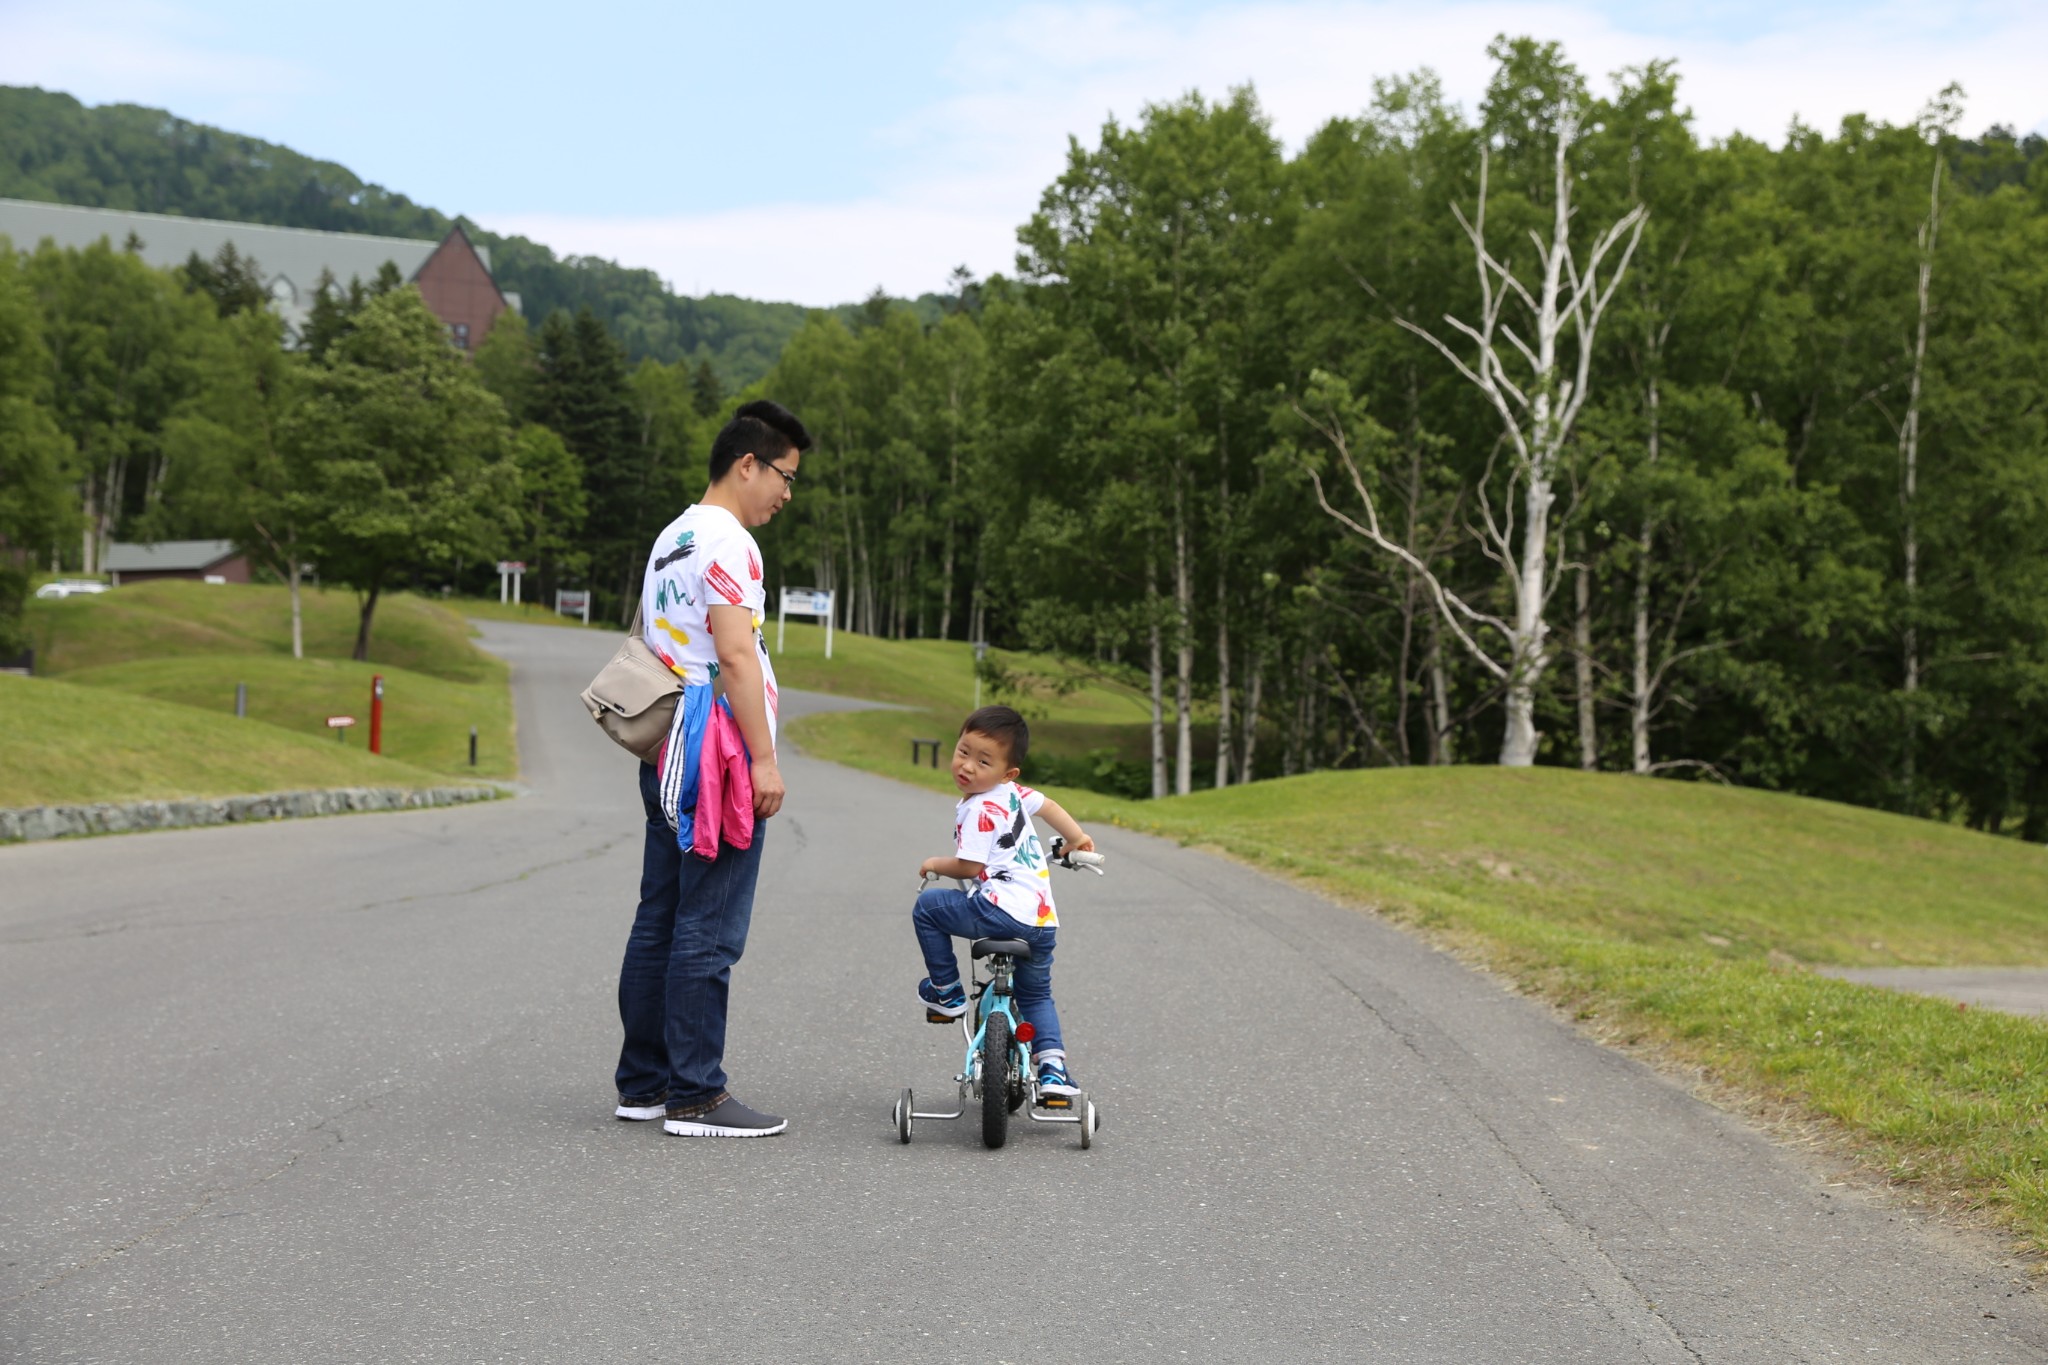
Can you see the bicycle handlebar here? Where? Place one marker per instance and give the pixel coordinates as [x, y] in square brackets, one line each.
[1076, 861]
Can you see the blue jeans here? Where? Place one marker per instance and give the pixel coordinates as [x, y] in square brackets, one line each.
[691, 927]
[943, 914]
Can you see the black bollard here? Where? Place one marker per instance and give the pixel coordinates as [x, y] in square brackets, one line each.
[472, 746]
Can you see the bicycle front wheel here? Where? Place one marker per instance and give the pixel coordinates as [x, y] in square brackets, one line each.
[995, 1080]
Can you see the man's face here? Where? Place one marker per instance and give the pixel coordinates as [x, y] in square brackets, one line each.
[766, 486]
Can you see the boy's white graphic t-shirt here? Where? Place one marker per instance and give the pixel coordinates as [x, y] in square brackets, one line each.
[704, 558]
[994, 828]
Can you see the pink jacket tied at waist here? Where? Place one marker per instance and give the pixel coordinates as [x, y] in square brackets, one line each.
[725, 787]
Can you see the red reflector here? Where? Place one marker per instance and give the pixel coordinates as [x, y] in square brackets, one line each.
[1025, 1033]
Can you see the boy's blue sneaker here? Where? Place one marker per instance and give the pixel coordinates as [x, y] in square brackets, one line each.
[1056, 1089]
[942, 1006]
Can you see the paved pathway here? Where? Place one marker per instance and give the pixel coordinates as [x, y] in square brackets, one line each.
[2017, 990]
[337, 1090]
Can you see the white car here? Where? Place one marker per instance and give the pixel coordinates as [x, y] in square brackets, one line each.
[69, 587]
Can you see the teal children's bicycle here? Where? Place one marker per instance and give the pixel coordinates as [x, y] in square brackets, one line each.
[998, 1071]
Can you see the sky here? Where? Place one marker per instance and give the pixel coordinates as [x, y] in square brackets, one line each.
[814, 151]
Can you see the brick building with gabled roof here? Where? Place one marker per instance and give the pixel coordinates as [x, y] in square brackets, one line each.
[453, 274]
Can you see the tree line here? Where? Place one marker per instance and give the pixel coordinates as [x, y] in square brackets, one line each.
[1551, 434]
[149, 405]
[1546, 434]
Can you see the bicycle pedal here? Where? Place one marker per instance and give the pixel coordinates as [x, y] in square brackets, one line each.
[934, 1017]
[1056, 1102]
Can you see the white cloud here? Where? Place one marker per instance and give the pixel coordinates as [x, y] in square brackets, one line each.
[817, 254]
[971, 165]
[968, 167]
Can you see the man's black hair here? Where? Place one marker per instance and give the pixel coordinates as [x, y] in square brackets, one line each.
[1005, 727]
[767, 431]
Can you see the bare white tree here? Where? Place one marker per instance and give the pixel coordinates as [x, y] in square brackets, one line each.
[1537, 392]
[1937, 122]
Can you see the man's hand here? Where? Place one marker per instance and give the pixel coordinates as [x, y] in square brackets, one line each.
[768, 788]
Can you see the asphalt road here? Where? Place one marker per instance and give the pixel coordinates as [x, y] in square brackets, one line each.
[2016, 990]
[339, 1090]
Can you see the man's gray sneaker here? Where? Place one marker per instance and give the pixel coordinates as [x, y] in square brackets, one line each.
[729, 1119]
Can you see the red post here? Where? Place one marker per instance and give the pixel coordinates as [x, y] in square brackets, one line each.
[377, 714]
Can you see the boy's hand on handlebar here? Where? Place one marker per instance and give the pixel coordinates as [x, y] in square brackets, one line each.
[1084, 844]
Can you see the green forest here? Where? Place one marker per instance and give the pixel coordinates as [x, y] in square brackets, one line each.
[1546, 432]
[125, 156]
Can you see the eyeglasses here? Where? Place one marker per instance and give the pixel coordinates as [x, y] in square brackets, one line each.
[787, 477]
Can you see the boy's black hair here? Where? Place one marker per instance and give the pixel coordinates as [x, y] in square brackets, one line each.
[1005, 727]
[767, 431]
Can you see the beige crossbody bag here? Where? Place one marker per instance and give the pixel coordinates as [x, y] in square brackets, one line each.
[634, 697]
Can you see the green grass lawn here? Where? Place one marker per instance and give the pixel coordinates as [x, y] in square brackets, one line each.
[1682, 918]
[938, 675]
[64, 744]
[188, 644]
[426, 719]
[524, 613]
[176, 618]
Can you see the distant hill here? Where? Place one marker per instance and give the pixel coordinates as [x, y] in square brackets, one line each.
[57, 150]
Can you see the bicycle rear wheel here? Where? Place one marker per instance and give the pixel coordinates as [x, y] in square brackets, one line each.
[995, 1080]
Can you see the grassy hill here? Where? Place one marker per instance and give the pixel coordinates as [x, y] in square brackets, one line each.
[174, 652]
[1683, 919]
[61, 744]
[1089, 728]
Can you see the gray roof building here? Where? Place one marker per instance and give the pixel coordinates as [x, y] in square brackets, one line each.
[216, 560]
[290, 260]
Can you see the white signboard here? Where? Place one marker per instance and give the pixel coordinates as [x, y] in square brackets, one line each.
[804, 602]
[510, 572]
[573, 603]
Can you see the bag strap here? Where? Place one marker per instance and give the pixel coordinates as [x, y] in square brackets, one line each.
[634, 633]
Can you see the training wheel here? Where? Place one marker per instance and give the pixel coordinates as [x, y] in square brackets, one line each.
[1086, 1114]
[904, 1105]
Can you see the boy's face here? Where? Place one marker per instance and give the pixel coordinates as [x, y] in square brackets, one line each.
[980, 763]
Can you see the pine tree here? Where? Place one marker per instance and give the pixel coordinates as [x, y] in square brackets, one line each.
[707, 394]
[581, 395]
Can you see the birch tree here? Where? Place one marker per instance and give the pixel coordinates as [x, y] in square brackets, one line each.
[1529, 355]
[1937, 123]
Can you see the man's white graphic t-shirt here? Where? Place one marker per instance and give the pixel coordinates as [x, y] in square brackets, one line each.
[704, 558]
[994, 828]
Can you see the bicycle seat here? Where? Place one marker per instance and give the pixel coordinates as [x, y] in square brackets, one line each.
[1008, 947]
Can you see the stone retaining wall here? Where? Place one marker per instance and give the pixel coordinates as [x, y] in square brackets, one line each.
[127, 817]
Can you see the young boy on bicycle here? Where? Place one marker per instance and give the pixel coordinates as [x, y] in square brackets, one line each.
[996, 848]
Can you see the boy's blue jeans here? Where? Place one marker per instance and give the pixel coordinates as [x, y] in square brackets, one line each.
[673, 986]
[944, 914]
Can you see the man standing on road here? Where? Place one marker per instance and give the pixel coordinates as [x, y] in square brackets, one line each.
[702, 604]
